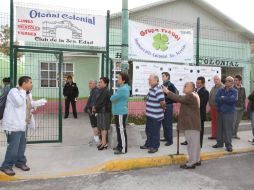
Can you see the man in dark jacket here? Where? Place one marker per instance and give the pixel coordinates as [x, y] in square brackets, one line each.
[168, 114]
[70, 93]
[225, 99]
[88, 109]
[204, 97]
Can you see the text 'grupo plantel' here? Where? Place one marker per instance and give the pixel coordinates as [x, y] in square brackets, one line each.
[38, 14]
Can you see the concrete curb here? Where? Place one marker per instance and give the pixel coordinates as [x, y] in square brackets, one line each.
[129, 164]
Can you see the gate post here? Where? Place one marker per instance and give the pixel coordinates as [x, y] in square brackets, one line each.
[107, 44]
[60, 97]
[11, 41]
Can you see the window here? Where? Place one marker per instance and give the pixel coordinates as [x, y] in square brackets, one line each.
[49, 72]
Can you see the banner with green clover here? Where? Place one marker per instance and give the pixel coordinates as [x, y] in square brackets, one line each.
[154, 43]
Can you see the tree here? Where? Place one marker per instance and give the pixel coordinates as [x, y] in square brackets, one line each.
[5, 41]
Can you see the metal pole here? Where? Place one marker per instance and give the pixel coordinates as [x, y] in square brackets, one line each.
[15, 67]
[197, 44]
[60, 97]
[125, 34]
[11, 41]
[107, 44]
[177, 153]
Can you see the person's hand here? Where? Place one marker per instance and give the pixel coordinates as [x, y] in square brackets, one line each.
[165, 89]
[93, 109]
[222, 97]
[76, 99]
[65, 97]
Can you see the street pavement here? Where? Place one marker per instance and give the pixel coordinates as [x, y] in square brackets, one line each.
[75, 157]
[234, 172]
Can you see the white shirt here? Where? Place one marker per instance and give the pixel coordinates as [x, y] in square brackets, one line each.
[14, 118]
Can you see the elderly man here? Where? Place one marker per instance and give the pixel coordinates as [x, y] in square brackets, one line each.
[189, 122]
[213, 107]
[88, 109]
[225, 99]
[155, 105]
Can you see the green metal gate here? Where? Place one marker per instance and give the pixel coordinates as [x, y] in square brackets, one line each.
[44, 67]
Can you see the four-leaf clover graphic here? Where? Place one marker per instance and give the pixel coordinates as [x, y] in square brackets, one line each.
[160, 42]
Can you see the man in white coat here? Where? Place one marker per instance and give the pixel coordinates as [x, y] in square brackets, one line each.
[17, 115]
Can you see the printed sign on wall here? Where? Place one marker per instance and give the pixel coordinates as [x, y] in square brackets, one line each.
[179, 75]
[37, 25]
[160, 44]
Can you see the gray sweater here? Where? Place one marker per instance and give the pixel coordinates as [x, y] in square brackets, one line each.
[212, 94]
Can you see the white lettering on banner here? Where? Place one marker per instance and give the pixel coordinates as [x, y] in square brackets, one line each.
[37, 25]
[160, 44]
[179, 75]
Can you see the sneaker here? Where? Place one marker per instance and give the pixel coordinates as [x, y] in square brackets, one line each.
[251, 140]
[23, 167]
[8, 171]
[93, 142]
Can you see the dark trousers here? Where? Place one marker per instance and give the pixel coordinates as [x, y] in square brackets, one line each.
[15, 152]
[225, 129]
[121, 132]
[167, 123]
[202, 132]
[93, 120]
[152, 132]
[69, 100]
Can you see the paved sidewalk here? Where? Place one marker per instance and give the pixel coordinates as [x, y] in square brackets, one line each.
[75, 157]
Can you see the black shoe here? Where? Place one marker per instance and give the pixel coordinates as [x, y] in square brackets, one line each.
[198, 163]
[211, 138]
[65, 117]
[229, 149]
[163, 140]
[236, 137]
[184, 143]
[152, 150]
[23, 167]
[116, 148]
[188, 167]
[168, 143]
[103, 147]
[8, 171]
[143, 147]
[217, 146]
[75, 117]
[117, 152]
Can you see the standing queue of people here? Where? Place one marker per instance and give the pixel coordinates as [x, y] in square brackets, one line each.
[227, 105]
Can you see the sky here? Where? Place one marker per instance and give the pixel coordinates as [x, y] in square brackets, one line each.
[239, 10]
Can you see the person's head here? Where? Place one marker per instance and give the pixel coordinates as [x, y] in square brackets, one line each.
[69, 79]
[216, 80]
[123, 78]
[6, 81]
[165, 76]
[189, 87]
[229, 82]
[92, 84]
[238, 80]
[103, 83]
[153, 80]
[223, 79]
[25, 82]
[200, 82]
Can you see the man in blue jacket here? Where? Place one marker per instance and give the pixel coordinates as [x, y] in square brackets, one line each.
[226, 99]
[120, 111]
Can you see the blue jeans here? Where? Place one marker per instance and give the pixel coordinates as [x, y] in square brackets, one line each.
[15, 153]
[152, 132]
[252, 122]
[167, 123]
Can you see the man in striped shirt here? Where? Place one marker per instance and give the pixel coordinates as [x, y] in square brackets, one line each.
[155, 105]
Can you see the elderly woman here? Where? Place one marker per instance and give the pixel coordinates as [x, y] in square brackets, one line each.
[102, 107]
[189, 122]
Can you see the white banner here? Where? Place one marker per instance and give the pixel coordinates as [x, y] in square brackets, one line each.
[160, 44]
[179, 75]
[37, 25]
